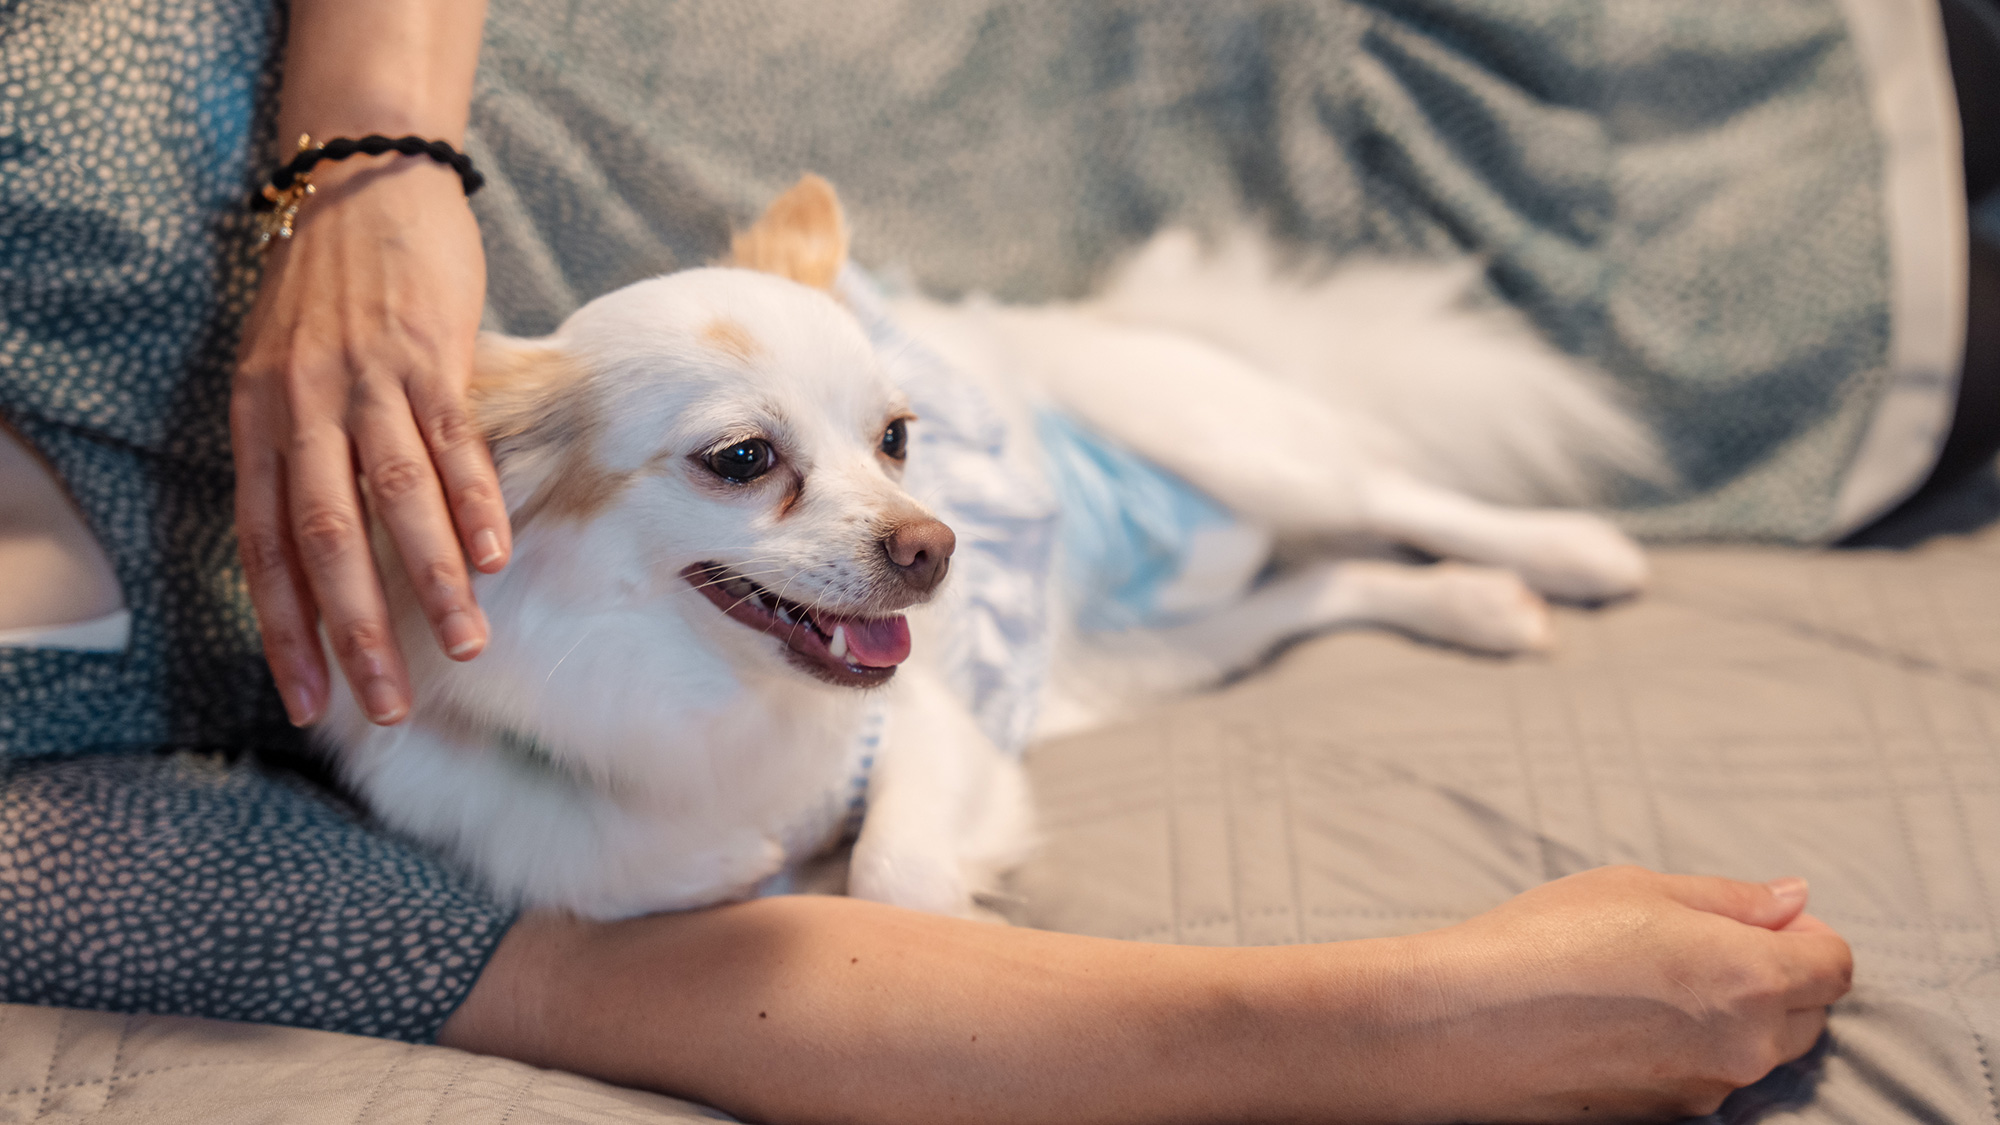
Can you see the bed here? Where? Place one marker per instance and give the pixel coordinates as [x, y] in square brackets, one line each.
[1761, 711]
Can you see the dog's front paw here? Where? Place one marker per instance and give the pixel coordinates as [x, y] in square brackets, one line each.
[904, 877]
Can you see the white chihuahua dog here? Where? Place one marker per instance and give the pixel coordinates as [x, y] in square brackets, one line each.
[702, 666]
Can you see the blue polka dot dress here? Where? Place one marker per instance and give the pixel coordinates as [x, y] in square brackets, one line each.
[156, 852]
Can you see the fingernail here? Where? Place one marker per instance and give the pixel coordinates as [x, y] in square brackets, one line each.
[1790, 890]
[385, 703]
[299, 707]
[487, 544]
[462, 636]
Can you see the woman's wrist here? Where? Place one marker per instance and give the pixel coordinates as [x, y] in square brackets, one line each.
[1350, 1024]
[411, 190]
[397, 67]
[358, 118]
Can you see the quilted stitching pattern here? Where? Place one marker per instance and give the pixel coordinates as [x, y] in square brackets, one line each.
[1759, 713]
[60, 1067]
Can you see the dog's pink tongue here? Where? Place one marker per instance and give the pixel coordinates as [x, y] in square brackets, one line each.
[873, 642]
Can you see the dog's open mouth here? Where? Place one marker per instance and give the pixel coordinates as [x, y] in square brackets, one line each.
[846, 650]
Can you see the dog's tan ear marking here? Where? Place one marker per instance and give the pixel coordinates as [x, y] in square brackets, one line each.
[730, 336]
[524, 395]
[802, 235]
[517, 384]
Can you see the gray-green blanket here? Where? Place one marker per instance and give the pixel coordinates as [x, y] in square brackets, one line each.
[1689, 194]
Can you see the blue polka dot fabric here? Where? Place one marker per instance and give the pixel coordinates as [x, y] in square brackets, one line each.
[130, 135]
[191, 884]
[139, 873]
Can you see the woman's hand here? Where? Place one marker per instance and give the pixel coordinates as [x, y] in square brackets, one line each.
[1621, 993]
[356, 358]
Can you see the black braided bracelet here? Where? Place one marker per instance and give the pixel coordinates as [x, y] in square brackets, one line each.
[279, 200]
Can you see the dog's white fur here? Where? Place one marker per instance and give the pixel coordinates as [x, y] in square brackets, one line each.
[622, 746]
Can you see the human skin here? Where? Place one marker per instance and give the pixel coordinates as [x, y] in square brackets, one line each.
[55, 573]
[1614, 994]
[358, 353]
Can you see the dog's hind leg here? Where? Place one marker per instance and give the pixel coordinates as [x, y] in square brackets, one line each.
[1474, 607]
[1285, 460]
[1573, 556]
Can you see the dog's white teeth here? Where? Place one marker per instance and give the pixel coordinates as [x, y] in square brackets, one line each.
[784, 615]
[839, 644]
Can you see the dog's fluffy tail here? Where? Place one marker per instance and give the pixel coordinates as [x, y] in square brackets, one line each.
[1467, 397]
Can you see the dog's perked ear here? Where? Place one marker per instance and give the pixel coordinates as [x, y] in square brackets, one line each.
[531, 395]
[802, 235]
[517, 383]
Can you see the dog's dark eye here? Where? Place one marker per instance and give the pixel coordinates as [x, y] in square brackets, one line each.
[744, 461]
[896, 440]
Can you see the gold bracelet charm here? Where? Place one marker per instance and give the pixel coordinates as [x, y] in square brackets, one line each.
[277, 222]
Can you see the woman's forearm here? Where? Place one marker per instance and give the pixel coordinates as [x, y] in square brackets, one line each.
[354, 67]
[830, 1009]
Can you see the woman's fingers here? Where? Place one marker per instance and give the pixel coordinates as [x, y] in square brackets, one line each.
[465, 465]
[271, 567]
[1820, 965]
[331, 534]
[303, 533]
[403, 493]
[1770, 905]
[1816, 964]
[1802, 1029]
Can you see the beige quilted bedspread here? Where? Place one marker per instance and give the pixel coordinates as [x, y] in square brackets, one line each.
[59, 1066]
[1759, 713]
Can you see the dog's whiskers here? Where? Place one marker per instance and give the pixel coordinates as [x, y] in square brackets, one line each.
[788, 585]
[725, 573]
[731, 574]
[565, 656]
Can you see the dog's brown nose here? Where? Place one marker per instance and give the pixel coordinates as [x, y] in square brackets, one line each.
[920, 550]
